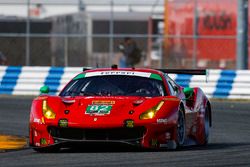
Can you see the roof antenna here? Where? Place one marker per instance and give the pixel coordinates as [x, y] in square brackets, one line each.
[114, 66]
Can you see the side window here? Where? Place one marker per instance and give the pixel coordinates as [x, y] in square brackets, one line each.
[172, 86]
[171, 89]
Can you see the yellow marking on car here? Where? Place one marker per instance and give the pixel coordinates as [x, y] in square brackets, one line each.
[103, 102]
[170, 99]
[41, 98]
[8, 142]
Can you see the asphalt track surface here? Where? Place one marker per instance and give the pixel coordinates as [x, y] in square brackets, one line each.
[229, 142]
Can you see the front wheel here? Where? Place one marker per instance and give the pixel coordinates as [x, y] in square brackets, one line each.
[49, 149]
[181, 128]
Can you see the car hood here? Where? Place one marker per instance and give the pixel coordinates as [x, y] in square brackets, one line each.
[99, 110]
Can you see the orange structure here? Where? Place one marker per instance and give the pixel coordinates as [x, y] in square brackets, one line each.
[214, 42]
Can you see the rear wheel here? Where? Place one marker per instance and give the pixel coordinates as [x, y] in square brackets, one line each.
[181, 128]
[206, 126]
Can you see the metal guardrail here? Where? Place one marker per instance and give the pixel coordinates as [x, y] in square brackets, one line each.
[28, 80]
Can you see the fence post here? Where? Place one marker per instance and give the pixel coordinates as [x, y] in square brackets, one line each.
[111, 32]
[66, 51]
[242, 35]
[195, 34]
[27, 48]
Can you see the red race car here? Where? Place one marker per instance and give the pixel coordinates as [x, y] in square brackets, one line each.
[141, 107]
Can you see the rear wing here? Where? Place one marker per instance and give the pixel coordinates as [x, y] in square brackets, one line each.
[186, 71]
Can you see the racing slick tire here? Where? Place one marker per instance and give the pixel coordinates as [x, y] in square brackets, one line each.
[206, 126]
[181, 126]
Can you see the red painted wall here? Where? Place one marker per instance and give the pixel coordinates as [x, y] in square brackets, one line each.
[217, 22]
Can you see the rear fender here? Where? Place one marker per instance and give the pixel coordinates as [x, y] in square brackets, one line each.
[202, 102]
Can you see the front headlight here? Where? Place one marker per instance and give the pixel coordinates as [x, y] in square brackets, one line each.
[47, 111]
[149, 114]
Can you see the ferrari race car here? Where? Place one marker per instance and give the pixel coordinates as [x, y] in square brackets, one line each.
[141, 107]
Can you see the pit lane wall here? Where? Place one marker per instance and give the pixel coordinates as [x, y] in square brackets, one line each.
[227, 84]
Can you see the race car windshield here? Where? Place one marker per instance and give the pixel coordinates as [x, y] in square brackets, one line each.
[115, 85]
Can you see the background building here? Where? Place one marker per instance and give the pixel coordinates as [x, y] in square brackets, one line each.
[174, 34]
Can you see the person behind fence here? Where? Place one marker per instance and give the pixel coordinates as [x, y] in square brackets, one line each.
[3, 59]
[131, 53]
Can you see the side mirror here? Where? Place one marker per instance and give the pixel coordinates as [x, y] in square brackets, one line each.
[176, 88]
[188, 92]
[44, 89]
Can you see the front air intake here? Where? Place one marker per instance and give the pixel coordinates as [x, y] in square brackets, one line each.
[97, 134]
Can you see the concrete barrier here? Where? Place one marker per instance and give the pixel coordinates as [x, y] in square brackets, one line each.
[28, 80]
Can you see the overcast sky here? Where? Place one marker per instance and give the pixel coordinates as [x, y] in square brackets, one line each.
[142, 2]
[58, 7]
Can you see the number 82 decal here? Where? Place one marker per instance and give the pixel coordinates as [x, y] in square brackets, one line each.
[98, 109]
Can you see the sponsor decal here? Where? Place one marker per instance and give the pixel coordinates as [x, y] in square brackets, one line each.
[103, 102]
[41, 98]
[98, 109]
[171, 99]
[39, 121]
[63, 123]
[117, 73]
[37, 144]
[43, 141]
[36, 120]
[129, 123]
[128, 73]
[162, 120]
